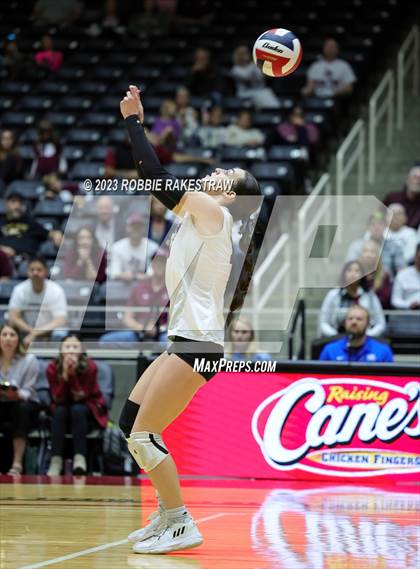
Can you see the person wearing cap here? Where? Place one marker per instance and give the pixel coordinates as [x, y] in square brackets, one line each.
[149, 292]
[19, 233]
[130, 256]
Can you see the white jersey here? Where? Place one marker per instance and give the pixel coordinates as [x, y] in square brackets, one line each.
[197, 272]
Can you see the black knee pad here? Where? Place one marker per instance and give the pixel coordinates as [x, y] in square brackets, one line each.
[128, 416]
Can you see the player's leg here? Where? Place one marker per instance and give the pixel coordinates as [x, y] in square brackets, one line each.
[173, 386]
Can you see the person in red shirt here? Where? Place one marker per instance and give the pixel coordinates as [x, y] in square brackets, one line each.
[47, 56]
[48, 152]
[85, 260]
[409, 197]
[77, 399]
[149, 292]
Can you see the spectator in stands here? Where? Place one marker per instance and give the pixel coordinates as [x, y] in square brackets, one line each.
[12, 60]
[250, 82]
[242, 133]
[406, 289]
[159, 225]
[295, 130]
[151, 21]
[56, 189]
[186, 115]
[131, 255]
[47, 56]
[377, 279]
[77, 399]
[409, 197]
[242, 344]
[405, 236]
[109, 227]
[48, 152]
[357, 346]
[149, 292]
[110, 20]
[119, 161]
[330, 76]
[19, 405]
[392, 255]
[166, 155]
[204, 79]
[212, 133]
[85, 260]
[56, 12]
[166, 128]
[19, 233]
[6, 267]
[11, 166]
[353, 290]
[38, 306]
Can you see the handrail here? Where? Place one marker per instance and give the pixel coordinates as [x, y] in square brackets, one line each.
[357, 133]
[305, 229]
[376, 112]
[291, 336]
[408, 55]
[259, 300]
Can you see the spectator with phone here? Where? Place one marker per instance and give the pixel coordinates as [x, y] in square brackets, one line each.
[19, 404]
[77, 401]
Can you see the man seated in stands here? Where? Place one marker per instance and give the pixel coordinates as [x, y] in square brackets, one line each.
[356, 346]
[119, 161]
[109, 226]
[149, 293]
[38, 306]
[392, 256]
[130, 256]
[330, 76]
[212, 132]
[406, 289]
[409, 197]
[19, 233]
[242, 133]
[405, 236]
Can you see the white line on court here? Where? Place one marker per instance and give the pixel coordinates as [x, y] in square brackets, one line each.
[101, 547]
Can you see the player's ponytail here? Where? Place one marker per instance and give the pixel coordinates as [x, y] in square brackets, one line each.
[249, 230]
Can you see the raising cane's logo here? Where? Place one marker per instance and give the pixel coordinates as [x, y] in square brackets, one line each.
[341, 427]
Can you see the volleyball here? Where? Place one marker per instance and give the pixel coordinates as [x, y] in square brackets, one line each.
[277, 52]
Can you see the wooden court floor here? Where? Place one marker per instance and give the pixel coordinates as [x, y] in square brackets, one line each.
[83, 523]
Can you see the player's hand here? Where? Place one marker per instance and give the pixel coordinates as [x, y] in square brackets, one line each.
[131, 104]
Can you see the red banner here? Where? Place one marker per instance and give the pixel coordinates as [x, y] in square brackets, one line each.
[300, 426]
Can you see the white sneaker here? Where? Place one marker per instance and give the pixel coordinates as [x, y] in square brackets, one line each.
[181, 535]
[56, 466]
[154, 528]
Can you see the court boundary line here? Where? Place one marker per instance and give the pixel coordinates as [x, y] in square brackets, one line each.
[102, 547]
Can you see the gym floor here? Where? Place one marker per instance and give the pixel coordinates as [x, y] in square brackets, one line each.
[83, 523]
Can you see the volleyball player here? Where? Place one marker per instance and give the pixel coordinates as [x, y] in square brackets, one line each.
[197, 272]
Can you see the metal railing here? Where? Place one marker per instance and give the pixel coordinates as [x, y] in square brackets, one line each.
[408, 56]
[351, 151]
[385, 92]
[306, 228]
[260, 294]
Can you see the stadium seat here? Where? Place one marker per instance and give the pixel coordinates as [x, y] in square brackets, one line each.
[288, 152]
[183, 170]
[75, 103]
[88, 87]
[281, 171]
[52, 88]
[99, 119]
[31, 189]
[80, 135]
[12, 87]
[17, 119]
[6, 288]
[241, 153]
[36, 103]
[50, 223]
[60, 119]
[82, 170]
[52, 208]
[5, 103]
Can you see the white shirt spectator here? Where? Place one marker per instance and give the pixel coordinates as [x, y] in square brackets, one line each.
[328, 76]
[336, 304]
[406, 289]
[126, 258]
[37, 309]
[406, 237]
[237, 136]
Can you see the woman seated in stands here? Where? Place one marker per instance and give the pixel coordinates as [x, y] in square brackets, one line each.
[85, 260]
[19, 405]
[242, 346]
[377, 279]
[77, 402]
[354, 289]
[11, 165]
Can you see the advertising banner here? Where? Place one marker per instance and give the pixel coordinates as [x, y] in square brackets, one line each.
[300, 426]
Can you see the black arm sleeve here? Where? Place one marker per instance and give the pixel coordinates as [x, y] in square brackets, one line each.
[148, 165]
